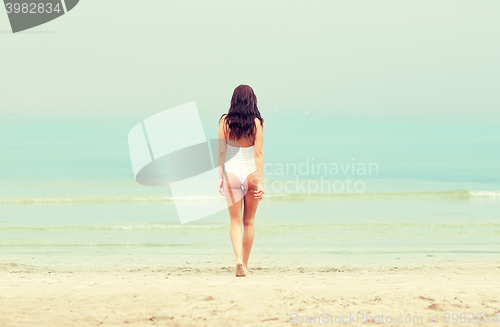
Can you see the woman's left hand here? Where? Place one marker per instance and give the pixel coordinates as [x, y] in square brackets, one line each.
[220, 186]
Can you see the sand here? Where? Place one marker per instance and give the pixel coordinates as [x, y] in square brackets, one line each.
[269, 296]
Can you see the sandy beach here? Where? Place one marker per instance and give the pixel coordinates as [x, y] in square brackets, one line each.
[269, 296]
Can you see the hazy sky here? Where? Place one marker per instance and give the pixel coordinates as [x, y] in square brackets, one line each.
[135, 58]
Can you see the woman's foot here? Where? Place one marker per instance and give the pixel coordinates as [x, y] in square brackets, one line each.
[240, 271]
[247, 271]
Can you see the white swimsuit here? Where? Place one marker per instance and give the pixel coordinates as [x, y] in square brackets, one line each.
[241, 162]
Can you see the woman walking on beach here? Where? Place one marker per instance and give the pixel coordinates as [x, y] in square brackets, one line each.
[241, 136]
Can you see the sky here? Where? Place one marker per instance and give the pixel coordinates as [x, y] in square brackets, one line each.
[132, 59]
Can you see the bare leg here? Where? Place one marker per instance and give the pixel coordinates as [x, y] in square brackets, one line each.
[235, 230]
[248, 219]
[234, 194]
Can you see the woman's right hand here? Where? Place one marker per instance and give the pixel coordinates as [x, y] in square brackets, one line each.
[259, 194]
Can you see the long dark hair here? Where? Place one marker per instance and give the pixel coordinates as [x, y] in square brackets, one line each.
[240, 119]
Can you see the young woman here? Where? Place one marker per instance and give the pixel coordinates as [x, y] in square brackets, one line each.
[241, 136]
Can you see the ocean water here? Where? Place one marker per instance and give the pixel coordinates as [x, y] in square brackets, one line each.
[338, 191]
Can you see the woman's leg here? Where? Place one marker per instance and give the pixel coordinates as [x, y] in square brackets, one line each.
[248, 217]
[233, 193]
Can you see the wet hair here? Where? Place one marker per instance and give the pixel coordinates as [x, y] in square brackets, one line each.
[240, 119]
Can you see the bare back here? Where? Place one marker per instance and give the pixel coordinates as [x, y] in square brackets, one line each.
[243, 142]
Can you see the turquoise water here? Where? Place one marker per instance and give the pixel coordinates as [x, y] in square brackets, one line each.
[433, 191]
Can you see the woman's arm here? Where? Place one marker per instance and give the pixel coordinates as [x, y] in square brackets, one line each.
[259, 156]
[222, 153]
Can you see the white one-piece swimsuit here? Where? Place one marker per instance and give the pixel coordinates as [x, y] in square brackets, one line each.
[241, 161]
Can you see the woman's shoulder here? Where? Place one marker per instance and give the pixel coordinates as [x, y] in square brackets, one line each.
[222, 118]
[258, 122]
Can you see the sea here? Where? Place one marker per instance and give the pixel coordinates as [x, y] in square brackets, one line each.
[339, 191]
